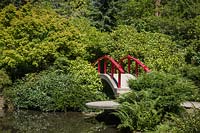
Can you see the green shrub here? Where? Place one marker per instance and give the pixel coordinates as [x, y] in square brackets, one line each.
[188, 122]
[192, 73]
[23, 38]
[29, 44]
[4, 80]
[153, 96]
[56, 90]
[138, 116]
[156, 50]
[184, 32]
[169, 90]
[166, 127]
[86, 75]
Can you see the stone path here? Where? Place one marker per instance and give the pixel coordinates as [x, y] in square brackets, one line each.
[189, 104]
[103, 105]
[114, 105]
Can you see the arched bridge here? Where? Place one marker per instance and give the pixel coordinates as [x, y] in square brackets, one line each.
[116, 76]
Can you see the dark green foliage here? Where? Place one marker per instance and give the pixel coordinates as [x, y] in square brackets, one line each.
[185, 9]
[188, 122]
[17, 3]
[134, 9]
[153, 80]
[67, 8]
[165, 86]
[153, 96]
[103, 14]
[193, 73]
[179, 19]
[4, 80]
[138, 116]
[4, 3]
[184, 33]
[56, 90]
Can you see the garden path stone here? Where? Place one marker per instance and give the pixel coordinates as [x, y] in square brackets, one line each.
[114, 105]
[103, 105]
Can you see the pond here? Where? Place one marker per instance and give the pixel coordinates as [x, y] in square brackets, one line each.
[59, 122]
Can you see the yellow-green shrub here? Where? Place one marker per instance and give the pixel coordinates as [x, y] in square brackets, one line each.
[31, 38]
[156, 50]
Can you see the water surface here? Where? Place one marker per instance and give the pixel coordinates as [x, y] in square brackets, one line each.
[37, 122]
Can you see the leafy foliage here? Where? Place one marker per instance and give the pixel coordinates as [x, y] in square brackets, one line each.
[165, 86]
[23, 40]
[188, 122]
[17, 3]
[157, 51]
[34, 36]
[56, 90]
[134, 9]
[67, 8]
[184, 33]
[104, 13]
[183, 8]
[192, 73]
[138, 116]
[4, 80]
[154, 95]
[179, 19]
[29, 44]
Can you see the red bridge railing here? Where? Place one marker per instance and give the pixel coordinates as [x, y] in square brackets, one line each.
[118, 66]
[137, 64]
[114, 65]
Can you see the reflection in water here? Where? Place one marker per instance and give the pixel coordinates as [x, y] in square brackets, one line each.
[34, 122]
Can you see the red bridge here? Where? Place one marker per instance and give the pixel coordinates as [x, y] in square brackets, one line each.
[116, 76]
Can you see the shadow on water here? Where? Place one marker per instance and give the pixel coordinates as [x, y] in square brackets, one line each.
[33, 122]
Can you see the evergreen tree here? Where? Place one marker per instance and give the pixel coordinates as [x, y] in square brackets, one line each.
[104, 13]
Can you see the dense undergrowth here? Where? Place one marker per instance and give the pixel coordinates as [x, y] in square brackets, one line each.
[156, 99]
[47, 48]
[66, 87]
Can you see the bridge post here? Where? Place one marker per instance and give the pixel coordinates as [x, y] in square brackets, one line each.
[105, 66]
[119, 80]
[112, 70]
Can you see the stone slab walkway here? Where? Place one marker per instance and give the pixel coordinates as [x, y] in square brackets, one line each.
[114, 105]
[103, 105]
[189, 104]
